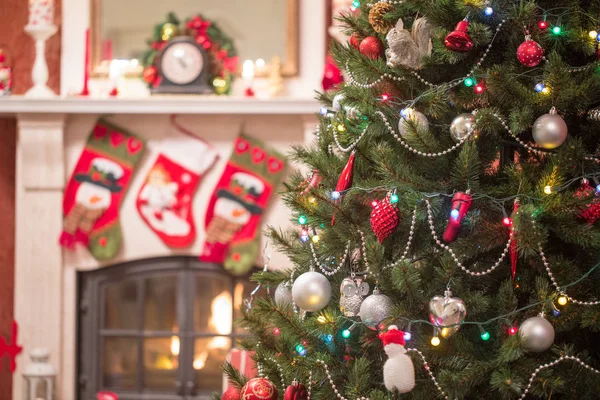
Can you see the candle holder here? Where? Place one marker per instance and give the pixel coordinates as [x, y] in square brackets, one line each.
[39, 73]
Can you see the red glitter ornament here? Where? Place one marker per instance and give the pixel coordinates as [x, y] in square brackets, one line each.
[384, 219]
[232, 393]
[461, 202]
[259, 389]
[459, 40]
[371, 47]
[296, 391]
[355, 41]
[149, 74]
[591, 211]
[530, 53]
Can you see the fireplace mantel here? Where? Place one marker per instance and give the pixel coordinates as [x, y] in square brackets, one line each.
[15, 105]
[51, 134]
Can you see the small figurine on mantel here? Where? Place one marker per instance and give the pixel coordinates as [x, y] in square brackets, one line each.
[5, 75]
[275, 78]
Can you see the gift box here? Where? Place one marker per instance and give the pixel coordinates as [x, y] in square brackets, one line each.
[106, 396]
[242, 360]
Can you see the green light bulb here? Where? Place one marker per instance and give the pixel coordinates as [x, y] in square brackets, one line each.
[485, 336]
[346, 333]
[394, 198]
[302, 220]
[469, 82]
[557, 30]
[355, 4]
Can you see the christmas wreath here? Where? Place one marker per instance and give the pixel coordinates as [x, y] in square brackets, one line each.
[219, 46]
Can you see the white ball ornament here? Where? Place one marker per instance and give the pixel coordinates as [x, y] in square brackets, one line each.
[537, 334]
[311, 291]
[283, 294]
[550, 130]
[462, 126]
[336, 104]
[375, 309]
[411, 116]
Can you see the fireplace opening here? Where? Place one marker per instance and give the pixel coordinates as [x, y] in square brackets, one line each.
[157, 328]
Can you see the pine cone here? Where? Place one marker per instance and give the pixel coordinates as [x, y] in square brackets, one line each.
[376, 20]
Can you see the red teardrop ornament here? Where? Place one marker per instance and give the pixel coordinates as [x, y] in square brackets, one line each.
[384, 219]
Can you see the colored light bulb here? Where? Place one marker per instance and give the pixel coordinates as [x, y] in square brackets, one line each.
[356, 4]
[512, 330]
[479, 88]
[312, 199]
[485, 336]
[335, 195]
[323, 110]
[341, 128]
[407, 336]
[546, 90]
[385, 97]
[276, 331]
[304, 239]
[394, 198]
[346, 333]
[406, 112]
[598, 37]
[316, 239]
[302, 220]
[593, 34]
[548, 189]
[300, 348]
[543, 25]
[304, 232]
[435, 341]
[488, 11]
[469, 82]
[556, 30]
[321, 319]
[374, 203]
[539, 87]
[329, 338]
[598, 188]
[562, 300]
[556, 313]
[506, 221]
[454, 214]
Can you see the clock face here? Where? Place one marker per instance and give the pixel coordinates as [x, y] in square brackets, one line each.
[181, 63]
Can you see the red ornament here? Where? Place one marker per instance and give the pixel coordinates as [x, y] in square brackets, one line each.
[149, 74]
[296, 391]
[461, 202]
[107, 396]
[371, 47]
[543, 25]
[384, 219]
[355, 41]
[332, 76]
[514, 254]
[591, 211]
[458, 40]
[259, 389]
[530, 53]
[232, 393]
[345, 179]
[11, 349]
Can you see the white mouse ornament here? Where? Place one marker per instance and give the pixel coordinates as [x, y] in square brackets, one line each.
[406, 49]
[398, 370]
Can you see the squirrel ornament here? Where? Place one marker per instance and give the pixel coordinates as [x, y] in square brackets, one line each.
[406, 49]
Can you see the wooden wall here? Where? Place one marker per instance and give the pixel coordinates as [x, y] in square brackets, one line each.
[19, 48]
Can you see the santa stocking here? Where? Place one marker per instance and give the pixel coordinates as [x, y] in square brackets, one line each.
[165, 199]
[96, 188]
[236, 207]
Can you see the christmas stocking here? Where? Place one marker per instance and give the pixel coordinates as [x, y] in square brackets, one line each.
[96, 188]
[236, 207]
[165, 199]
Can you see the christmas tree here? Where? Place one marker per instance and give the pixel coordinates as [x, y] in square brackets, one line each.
[446, 243]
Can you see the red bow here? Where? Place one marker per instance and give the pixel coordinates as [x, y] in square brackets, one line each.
[199, 25]
[11, 349]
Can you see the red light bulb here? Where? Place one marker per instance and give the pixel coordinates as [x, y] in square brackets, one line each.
[543, 25]
[507, 221]
[512, 330]
[479, 88]
[276, 331]
[374, 203]
[385, 97]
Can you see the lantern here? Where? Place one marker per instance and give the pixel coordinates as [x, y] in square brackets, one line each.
[39, 376]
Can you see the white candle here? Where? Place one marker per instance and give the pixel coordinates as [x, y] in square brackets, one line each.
[41, 12]
[248, 70]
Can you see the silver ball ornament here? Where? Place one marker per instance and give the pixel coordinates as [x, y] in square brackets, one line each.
[414, 117]
[462, 126]
[336, 104]
[283, 295]
[537, 334]
[311, 291]
[550, 130]
[375, 309]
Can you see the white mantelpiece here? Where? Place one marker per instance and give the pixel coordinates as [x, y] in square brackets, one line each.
[51, 135]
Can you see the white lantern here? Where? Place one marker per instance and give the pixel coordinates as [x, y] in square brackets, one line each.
[40, 377]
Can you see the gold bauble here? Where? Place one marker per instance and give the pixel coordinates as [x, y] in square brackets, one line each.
[376, 20]
[167, 31]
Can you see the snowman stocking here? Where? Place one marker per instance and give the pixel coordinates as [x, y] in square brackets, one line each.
[96, 188]
[236, 207]
[165, 199]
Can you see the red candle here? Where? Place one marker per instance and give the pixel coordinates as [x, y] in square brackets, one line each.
[86, 72]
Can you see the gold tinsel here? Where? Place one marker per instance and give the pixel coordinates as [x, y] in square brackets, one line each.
[376, 20]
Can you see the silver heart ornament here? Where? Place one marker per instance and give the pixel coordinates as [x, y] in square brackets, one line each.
[447, 313]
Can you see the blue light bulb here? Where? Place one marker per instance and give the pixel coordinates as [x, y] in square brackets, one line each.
[598, 37]
[323, 110]
[335, 195]
[304, 239]
[454, 214]
[539, 87]
[488, 11]
[407, 336]
[556, 313]
[329, 338]
[405, 113]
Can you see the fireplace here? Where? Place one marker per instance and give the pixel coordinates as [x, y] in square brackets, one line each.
[157, 328]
